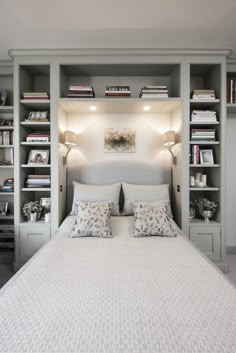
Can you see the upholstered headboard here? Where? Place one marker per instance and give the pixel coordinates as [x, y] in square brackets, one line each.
[109, 172]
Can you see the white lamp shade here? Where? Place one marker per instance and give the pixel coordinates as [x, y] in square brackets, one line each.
[70, 138]
[169, 138]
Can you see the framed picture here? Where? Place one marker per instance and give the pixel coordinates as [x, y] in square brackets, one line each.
[38, 157]
[3, 208]
[119, 140]
[3, 96]
[8, 122]
[206, 157]
[1, 122]
[46, 203]
[38, 116]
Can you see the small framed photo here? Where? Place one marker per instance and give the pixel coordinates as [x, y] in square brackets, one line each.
[206, 157]
[1, 122]
[38, 157]
[8, 122]
[38, 116]
[46, 203]
[3, 208]
[3, 96]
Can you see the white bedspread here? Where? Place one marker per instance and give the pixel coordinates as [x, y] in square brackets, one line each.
[123, 295]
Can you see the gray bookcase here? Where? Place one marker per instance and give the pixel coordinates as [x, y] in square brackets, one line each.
[181, 70]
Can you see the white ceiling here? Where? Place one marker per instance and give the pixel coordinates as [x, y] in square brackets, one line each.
[117, 24]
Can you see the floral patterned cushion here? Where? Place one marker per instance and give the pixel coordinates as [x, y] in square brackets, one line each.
[152, 218]
[92, 220]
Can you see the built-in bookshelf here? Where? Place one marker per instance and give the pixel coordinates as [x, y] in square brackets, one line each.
[206, 151]
[7, 226]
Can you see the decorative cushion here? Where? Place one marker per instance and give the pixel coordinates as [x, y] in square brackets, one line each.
[133, 192]
[92, 220]
[97, 193]
[151, 218]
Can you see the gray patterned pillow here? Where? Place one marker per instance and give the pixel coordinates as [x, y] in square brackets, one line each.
[152, 218]
[92, 220]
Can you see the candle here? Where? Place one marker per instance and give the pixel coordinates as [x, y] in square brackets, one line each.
[204, 180]
[198, 177]
[192, 181]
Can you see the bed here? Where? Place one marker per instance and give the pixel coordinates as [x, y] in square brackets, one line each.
[118, 295]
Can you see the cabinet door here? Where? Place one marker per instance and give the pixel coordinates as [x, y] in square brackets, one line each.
[31, 240]
[207, 239]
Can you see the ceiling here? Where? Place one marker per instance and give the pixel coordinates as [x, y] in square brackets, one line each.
[117, 24]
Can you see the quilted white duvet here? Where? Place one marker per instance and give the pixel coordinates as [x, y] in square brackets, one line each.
[123, 295]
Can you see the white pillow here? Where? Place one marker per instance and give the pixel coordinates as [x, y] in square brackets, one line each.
[92, 220]
[134, 192]
[96, 193]
[151, 218]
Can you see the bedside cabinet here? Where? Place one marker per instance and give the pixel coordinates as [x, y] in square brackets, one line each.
[32, 238]
[207, 237]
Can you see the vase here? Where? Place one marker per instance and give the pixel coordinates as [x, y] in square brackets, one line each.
[207, 215]
[33, 217]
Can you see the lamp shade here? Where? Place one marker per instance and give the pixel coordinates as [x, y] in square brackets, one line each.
[169, 138]
[70, 138]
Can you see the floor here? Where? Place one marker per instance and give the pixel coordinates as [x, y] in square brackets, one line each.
[6, 271]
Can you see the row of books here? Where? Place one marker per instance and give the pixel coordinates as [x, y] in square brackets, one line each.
[154, 92]
[203, 116]
[38, 181]
[231, 90]
[203, 134]
[7, 237]
[6, 137]
[38, 136]
[8, 185]
[35, 95]
[118, 91]
[203, 94]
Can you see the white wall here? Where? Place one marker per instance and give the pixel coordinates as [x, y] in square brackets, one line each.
[231, 182]
[90, 129]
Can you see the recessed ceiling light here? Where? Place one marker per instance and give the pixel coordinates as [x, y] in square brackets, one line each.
[93, 108]
[146, 108]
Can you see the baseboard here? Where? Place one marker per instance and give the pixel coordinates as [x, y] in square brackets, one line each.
[231, 250]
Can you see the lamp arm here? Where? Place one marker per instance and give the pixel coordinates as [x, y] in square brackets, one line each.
[173, 156]
[65, 157]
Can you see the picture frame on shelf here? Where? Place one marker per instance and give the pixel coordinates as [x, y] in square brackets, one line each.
[37, 116]
[206, 157]
[38, 157]
[8, 122]
[3, 97]
[46, 203]
[1, 122]
[3, 208]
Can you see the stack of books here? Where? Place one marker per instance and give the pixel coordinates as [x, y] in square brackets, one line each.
[38, 181]
[154, 92]
[117, 91]
[203, 94]
[6, 137]
[38, 136]
[203, 116]
[35, 95]
[203, 135]
[8, 185]
[7, 237]
[231, 90]
[81, 92]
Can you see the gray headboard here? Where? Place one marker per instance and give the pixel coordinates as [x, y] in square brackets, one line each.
[109, 172]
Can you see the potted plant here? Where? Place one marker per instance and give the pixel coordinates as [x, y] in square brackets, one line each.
[32, 210]
[206, 208]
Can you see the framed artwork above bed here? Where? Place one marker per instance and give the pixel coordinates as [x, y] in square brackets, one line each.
[119, 140]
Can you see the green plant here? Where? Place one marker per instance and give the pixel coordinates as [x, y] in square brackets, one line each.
[205, 205]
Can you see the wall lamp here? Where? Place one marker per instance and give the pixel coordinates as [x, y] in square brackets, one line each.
[169, 140]
[70, 139]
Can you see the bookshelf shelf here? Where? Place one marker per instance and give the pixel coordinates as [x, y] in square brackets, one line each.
[25, 123]
[203, 189]
[204, 123]
[7, 217]
[36, 103]
[119, 105]
[6, 109]
[6, 166]
[36, 189]
[35, 143]
[6, 193]
[204, 142]
[204, 102]
[204, 165]
[35, 166]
